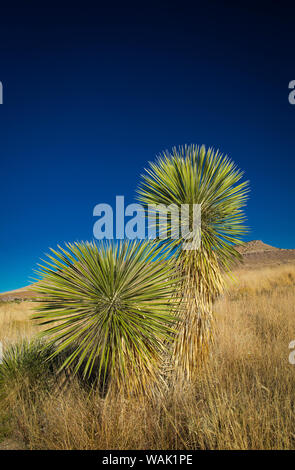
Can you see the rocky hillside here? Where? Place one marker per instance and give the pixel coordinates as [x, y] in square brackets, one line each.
[258, 254]
[256, 246]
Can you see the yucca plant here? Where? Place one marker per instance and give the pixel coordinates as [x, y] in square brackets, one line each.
[193, 175]
[109, 307]
[26, 369]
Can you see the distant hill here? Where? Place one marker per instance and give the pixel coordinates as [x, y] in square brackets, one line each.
[19, 294]
[256, 246]
[255, 254]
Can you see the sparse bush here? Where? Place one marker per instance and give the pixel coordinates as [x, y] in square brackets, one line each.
[26, 368]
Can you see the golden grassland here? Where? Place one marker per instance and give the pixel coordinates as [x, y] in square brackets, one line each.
[244, 398]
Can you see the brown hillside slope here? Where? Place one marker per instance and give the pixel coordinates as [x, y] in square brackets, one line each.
[256, 254]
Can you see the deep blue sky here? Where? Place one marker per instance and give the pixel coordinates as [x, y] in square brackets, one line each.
[91, 93]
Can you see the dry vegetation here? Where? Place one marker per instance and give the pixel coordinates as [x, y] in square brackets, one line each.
[15, 322]
[245, 399]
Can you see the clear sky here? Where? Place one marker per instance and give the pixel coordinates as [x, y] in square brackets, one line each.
[92, 93]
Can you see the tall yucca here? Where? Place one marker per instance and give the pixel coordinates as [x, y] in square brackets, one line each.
[194, 175]
[109, 307]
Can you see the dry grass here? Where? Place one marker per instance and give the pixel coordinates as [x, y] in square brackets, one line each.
[15, 321]
[245, 399]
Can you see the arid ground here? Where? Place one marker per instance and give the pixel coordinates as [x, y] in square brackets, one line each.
[244, 397]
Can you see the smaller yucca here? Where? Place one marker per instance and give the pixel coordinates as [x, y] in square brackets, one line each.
[109, 307]
[26, 368]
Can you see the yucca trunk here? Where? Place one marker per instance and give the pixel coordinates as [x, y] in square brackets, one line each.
[196, 326]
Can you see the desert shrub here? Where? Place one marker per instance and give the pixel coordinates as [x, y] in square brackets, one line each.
[26, 368]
